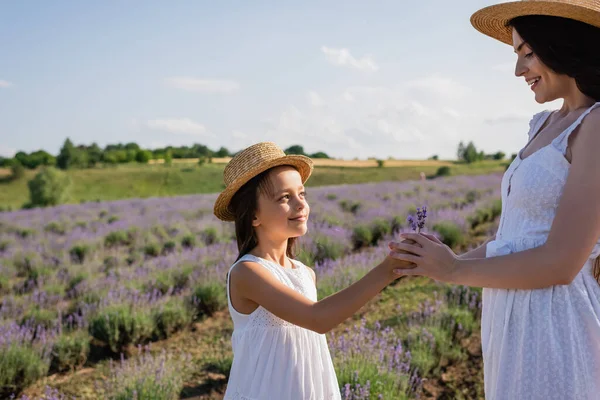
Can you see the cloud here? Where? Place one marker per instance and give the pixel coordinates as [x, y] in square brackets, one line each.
[183, 126]
[343, 58]
[5, 84]
[202, 85]
[314, 99]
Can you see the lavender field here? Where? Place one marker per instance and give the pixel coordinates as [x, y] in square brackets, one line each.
[126, 299]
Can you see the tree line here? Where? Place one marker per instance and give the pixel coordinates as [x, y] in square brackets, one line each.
[84, 156]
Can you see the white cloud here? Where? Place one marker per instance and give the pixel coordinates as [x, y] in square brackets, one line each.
[315, 99]
[5, 84]
[202, 85]
[184, 126]
[343, 58]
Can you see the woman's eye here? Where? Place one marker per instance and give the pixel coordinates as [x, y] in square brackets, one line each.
[529, 55]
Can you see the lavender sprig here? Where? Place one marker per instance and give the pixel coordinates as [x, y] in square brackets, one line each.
[418, 223]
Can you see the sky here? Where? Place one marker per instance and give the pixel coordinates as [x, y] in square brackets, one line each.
[355, 79]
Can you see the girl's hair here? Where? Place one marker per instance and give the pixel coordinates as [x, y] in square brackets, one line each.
[244, 205]
[566, 46]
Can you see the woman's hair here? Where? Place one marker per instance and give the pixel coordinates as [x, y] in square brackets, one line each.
[566, 46]
[244, 205]
[596, 270]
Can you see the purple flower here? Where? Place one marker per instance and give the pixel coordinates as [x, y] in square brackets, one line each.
[418, 223]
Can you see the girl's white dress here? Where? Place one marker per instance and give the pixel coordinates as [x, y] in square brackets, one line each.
[274, 359]
[540, 344]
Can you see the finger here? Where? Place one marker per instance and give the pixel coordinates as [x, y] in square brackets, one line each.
[418, 250]
[393, 244]
[432, 237]
[406, 257]
[417, 237]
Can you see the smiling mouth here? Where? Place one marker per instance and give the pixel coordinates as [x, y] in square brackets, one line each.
[533, 82]
[302, 218]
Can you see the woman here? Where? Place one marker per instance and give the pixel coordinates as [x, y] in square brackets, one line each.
[541, 272]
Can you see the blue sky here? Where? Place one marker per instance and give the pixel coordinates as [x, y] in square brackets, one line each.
[352, 78]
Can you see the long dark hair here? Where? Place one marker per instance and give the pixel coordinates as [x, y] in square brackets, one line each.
[244, 205]
[566, 46]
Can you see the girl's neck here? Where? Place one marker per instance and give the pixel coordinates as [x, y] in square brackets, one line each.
[275, 251]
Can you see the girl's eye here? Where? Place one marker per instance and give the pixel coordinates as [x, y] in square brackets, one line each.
[303, 194]
[285, 197]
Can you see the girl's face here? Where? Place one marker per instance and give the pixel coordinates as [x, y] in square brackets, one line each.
[282, 211]
[545, 83]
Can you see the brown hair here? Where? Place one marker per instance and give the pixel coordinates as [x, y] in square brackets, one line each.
[244, 205]
[596, 270]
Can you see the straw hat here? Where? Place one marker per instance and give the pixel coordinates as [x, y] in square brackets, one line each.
[493, 20]
[251, 162]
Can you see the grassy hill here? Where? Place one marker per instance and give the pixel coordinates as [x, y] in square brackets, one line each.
[142, 181]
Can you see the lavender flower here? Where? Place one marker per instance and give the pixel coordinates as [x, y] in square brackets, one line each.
[418, 223]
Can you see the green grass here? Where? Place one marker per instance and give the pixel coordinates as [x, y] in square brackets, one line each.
[135, 181]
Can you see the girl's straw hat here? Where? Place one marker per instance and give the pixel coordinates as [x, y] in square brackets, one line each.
[493, 20]
[251, 162]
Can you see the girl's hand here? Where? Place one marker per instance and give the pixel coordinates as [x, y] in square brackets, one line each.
[432, 257]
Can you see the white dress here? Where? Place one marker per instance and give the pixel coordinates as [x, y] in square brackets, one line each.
[274, 359]
[545, 343]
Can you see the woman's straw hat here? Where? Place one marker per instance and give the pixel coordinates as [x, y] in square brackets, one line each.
[251, 162]
[493, 20]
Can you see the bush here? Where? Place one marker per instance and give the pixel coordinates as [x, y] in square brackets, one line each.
[143, 156]
[451, 234]
[443, 171]
[210, 235]
[56, 227]
[169, 247]
[380, 228]
[121, 325]
[188, 241]
[327, 249]
[380, 163]
[209, 298]
[40, 317]
[362, 236]
[49, 187]
[159, 377]
[117, 238]
[17, 171]
[79, 253]
[20, 366]
[171, 317]
[350, 206]
[152, 250]
[70, 351]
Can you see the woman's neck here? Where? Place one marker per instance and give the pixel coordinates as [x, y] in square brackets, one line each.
[575, 100]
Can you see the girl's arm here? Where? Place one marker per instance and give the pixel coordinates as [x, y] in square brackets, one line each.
[254, 282]
[574, 232]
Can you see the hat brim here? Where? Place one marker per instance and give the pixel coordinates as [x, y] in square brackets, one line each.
[303, 164]
[493, 20]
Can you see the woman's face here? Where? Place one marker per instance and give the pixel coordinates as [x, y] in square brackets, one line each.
[545, 83]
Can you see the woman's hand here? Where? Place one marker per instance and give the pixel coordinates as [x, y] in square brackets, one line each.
[432, 257]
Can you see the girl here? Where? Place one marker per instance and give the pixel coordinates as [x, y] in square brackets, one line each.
[541, 272]
[278, 340]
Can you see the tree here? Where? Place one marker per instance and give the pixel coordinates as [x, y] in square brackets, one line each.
[461, 151]
[499, 156]
[67, 155]
[168, 157]
[222, 152]
[143, 156]
[94, 154]
[295, 149]
[48, 188]
[319, 154]
[469, 153]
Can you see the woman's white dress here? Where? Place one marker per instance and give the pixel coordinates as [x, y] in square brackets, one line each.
[545, 343]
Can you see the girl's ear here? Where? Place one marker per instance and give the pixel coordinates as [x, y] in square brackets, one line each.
[255, 221]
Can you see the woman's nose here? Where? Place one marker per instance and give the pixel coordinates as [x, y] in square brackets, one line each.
[520, 69]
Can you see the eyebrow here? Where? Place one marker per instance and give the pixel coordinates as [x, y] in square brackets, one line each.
[280, 192]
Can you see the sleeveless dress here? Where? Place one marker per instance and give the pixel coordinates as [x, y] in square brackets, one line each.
[275, 359]
[544, 343]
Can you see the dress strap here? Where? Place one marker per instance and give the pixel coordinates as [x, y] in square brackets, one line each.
[562, 141]
[536, 123]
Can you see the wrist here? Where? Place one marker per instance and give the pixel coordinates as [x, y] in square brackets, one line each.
[456, 270]
[384, 272]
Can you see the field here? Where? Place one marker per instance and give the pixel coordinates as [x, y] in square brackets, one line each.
[82, 285]
[135, 181]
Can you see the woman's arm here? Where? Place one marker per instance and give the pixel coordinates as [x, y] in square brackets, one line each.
[574, 232]
[255, 283]
[479, 252]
